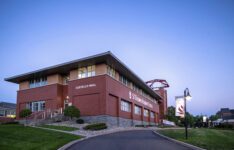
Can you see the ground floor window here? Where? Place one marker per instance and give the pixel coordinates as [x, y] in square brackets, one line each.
[36, 106]
[152, 114]
[125, 106]
[137, 110]
[146, 112]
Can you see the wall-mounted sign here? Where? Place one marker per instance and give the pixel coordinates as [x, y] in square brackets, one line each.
[140, 100]
[179, 106]
[85, 86]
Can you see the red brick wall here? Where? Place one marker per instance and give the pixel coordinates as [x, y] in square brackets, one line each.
[51, 94]
[90, 100]
[101, 99]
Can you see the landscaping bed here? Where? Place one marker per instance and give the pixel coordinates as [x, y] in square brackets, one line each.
[18, 137]
[210, 139]
[96, 126]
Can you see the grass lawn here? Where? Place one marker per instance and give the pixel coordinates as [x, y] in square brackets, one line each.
[210, 139]
[17, 137]
[64, 128]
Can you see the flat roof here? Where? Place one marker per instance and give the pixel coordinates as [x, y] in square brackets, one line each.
[64, 68]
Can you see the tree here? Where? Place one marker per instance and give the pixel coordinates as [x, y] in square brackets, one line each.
[25, 113]
[72, 111]
[171, 115]
[214, 117]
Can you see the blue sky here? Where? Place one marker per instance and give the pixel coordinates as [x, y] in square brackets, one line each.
[188, 43]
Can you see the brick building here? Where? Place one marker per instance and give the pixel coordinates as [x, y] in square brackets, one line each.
[101, 86]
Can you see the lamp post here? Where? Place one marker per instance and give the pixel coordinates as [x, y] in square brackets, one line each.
[187, 96]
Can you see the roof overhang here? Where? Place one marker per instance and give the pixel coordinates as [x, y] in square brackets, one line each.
[64, 68]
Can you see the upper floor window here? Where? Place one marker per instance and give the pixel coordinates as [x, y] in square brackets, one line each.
[38, 82]
[125, 106]
[88, 71]
[65, 79]
[111, 71]
[124, 80]
[137, 110]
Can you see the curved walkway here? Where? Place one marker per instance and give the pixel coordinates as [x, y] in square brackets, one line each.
[128, 140]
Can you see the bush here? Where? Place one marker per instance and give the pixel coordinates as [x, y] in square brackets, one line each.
[12, 122]
[96, 126]
[25, 113]
[225, 126]
[72, 111]
[80, 121]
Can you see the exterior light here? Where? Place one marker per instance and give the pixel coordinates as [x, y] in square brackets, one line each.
[187, 94]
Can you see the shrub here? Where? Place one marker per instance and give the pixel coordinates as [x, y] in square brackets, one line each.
[25, 113]
[80, 121]
[12, 122]
[225, 126]
[96, 126]
[72, 111]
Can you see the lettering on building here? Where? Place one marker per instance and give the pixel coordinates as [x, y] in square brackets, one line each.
[85, 86]
[140, 100]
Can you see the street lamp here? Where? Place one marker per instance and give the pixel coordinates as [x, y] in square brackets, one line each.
[187, 97]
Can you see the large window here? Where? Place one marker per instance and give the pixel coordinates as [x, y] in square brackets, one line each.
[125, 106]
[36, 106]
[88, 71]
[38, 82]
[146, 112]
[111, 71]
[152, 114]
[137, 110]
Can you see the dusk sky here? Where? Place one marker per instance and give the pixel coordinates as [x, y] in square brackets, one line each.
[188, 43]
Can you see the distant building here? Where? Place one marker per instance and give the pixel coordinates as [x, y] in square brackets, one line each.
[226, 115]
[7, 109]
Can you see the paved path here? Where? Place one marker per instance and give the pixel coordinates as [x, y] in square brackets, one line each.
[128, 140]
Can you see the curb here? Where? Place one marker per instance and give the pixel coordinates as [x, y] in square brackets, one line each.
[64, 147]
[179, 142]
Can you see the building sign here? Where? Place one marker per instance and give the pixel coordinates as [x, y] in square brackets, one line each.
[140, 100]
[85, 86]
[179, 106]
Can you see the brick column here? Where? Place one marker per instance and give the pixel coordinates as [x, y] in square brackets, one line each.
[118, 109]
[142, 114]
[132, 112]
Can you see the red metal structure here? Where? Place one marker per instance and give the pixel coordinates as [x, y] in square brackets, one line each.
[152, 85]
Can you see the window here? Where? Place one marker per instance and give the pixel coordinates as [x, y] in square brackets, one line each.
[146, 112]
[124, 80]
[36, 106]
[137, 110]
[37, 82]
[152, 114]
[88, 71]
[65, 79]
[2, 113]
[111, 71]
[91, 71]
[125, 106]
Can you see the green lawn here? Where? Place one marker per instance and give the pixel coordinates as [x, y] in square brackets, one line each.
[64, 128]
[17, 137]
[210, 139]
